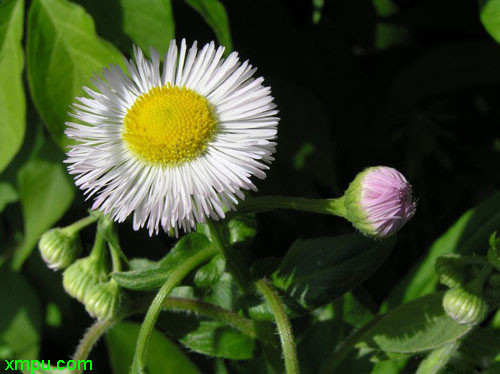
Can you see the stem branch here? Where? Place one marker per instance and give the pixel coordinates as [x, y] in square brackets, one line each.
[154, 309]
[267, 203]
[80, 224]
[437, 359]
[283, 325]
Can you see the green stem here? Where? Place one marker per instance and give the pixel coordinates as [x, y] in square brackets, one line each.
[98, 250]
[91, 337]
[94, 333]
[437, 359]
[283, 325]
[234, 261]
[266, 203]
[80, 224]
[115, 258]
[154, 309]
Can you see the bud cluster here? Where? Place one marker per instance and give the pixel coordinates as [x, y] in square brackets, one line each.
[86, 279]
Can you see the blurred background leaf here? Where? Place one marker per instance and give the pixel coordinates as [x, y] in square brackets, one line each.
[214, 14]
[63, 51]
[12, 100]
[45, 192]
[149, 23]
[163, 355]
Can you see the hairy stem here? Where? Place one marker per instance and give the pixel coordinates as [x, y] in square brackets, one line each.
[91, 337]
[94, 333]
[154, 309]
[435, 362]
[266, 203]
[283, 325]
[80, 224]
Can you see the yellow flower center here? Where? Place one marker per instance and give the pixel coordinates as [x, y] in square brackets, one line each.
[169, 125]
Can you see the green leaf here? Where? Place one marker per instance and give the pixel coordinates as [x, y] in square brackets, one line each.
[20, 318]
[12, 99]
[469, 234]
[389, 367]
[153, 278]
[46, 192]
[163, 355]
[63, 51]
[214, 14]
[209, 337]
[317, 270]
[418, 326]
[490, 17]
[385, 8]
[149, 23]
[242, 229]
[224, 293]
[208, 274]
[7, 195]
[215, 339]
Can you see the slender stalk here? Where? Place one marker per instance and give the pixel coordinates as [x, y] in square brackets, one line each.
[283, 325]
[266, 203]
[80, 224]
[154, 309]
[234, 261]
[98, 249]
[435, 362]
[91, 337]
[115, 258]
[94, 333]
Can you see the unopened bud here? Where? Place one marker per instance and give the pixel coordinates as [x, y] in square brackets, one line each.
[103, 300]
[449, 271]
[59, 247]
[465, 306]
[82, 275]
[379, 201]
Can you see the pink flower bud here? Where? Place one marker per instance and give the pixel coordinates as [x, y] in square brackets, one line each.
[379, 201]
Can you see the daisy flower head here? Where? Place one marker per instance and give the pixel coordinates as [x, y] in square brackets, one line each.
[173, 143]
[379, 201]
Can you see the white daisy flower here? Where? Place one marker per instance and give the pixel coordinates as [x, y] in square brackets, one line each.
[172, 144]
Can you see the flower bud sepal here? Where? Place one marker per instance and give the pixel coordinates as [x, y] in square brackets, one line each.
[86, 272]
[59, 247]
[103, 300]
[450, 269]
[466, 304]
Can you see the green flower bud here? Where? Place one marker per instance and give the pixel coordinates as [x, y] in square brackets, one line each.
[379, 201]
[103, 300]
[465, 306]
[449, 271]
[82, 275]
[59, 247]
